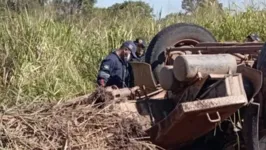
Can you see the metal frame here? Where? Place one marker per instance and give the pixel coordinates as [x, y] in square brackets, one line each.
[214, 48]
[244, 52]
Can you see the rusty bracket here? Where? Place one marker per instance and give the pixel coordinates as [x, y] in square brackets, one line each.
[147, 104]
[214, 120]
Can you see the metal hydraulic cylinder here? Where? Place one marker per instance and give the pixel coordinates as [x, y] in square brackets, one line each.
[187, 67]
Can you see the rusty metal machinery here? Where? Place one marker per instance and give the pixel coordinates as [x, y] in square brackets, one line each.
[198, 85]
[245, 53]
[217, 87]
[204, 87]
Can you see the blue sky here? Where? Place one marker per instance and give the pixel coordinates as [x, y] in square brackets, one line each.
[170, 6]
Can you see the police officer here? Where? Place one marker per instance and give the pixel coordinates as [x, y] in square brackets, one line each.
[253, 38]
[141, 46]
[115, 69]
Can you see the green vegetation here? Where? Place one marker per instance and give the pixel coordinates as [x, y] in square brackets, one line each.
[48, 55]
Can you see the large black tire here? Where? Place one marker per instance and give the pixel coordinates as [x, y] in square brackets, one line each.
[169, 36]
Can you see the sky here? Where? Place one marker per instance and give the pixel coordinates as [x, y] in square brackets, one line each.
[172, 6]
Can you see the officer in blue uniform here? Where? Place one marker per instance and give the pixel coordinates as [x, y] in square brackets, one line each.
[115, 68]
[253, 38]
[141, 46]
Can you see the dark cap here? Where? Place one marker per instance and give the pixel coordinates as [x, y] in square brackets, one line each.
[131, 46]
[140, 42]
[254, 37]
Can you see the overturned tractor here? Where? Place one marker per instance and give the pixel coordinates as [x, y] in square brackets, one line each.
[191, 93]
[202, 94]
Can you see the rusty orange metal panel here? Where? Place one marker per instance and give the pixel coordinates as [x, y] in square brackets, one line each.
[194, 118]
[191, 120]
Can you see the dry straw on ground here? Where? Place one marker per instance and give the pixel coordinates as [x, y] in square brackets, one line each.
[76, 124]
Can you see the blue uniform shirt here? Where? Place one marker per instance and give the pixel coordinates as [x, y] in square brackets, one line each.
[115, 71]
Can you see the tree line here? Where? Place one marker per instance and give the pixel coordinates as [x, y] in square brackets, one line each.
[70, 7]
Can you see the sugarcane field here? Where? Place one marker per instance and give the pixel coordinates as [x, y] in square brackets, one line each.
[132, 75]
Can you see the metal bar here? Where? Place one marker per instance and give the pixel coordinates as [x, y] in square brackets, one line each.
[251, 126]
[240, 56]
[147, 104]
[219, 49]
[229, 44]
[151, 94]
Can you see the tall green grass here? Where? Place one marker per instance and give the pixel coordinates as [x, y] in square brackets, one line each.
[47, 58]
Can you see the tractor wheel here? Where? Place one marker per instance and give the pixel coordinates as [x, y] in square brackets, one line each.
[176, 35]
